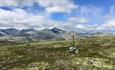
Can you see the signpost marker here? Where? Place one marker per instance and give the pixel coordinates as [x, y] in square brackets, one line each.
[73, 40]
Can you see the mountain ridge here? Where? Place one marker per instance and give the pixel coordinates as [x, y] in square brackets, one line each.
[47, 34]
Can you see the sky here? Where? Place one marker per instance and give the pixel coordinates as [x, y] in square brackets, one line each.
[64, 14]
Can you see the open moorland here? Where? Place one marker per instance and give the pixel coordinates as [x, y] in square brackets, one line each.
[95, 53]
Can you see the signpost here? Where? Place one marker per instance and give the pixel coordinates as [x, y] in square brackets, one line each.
[73, 49]
[73, 40]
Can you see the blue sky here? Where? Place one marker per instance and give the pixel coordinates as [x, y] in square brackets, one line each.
[64, 14]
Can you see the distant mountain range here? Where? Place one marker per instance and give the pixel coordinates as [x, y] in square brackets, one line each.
[46, 34]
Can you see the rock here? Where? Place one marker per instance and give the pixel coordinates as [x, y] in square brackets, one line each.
[73, 50]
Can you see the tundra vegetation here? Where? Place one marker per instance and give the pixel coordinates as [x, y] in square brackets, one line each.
[95, 53]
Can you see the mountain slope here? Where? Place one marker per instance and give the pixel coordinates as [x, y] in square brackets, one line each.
[46, 34]
[32, 34]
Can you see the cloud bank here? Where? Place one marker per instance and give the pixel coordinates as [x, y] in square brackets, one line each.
[80, 17]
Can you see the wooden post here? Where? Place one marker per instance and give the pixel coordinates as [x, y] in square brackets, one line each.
[73, 40]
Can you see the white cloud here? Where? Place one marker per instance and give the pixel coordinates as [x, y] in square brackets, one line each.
[19, 18]
[109, 25]
[79, 20]
[76, 23]
[57, 5]
[61, 8]
[90, 11]
[80, 26]
[16, 2]
[50, 5]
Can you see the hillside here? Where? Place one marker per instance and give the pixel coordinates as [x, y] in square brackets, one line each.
[96, 53]
[30, 35]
